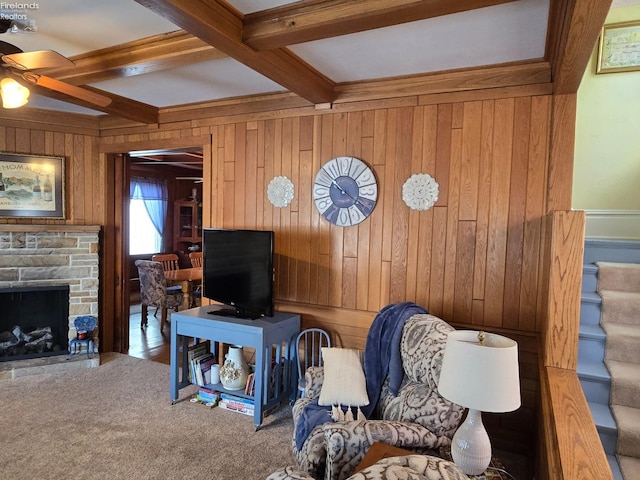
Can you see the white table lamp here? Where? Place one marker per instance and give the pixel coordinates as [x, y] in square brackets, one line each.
[479, 372]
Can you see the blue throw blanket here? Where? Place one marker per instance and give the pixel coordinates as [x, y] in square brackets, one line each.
[381, 357]
[382, 350]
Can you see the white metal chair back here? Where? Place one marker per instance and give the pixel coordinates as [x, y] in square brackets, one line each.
[309, 345]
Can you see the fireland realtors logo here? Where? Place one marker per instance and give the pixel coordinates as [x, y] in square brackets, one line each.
[18, 15]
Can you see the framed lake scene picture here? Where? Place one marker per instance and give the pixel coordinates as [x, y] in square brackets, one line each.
[31, 186]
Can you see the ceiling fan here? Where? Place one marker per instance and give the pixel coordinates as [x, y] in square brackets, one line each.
[18, 65]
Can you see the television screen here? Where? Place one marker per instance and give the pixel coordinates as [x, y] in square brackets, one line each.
[238, 271]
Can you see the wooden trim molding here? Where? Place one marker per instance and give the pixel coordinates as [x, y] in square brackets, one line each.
[20, 227]
[560, 334]
[570, 445]
[613, 224]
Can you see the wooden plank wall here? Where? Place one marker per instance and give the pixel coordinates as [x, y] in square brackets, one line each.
[84, 178]
[472, 259]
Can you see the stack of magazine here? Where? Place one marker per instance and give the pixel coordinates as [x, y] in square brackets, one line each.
[236, 404]
[208, 396]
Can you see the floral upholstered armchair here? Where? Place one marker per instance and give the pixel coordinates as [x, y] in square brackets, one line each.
[418, 418]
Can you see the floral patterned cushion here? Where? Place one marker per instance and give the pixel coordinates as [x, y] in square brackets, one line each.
[422, 347]
[418, 419]
[289, 473]
[409, 467]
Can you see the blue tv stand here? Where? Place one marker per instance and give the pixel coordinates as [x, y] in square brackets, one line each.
[271, 337]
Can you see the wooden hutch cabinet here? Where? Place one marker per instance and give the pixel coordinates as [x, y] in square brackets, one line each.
[187, 224]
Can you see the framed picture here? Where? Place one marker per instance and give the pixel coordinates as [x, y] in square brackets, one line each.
[619, 48]
[31, 186]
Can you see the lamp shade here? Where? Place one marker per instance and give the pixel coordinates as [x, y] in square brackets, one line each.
[481, 376]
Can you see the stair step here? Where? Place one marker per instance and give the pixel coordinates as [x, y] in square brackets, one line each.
[629, 467]
[606, 426]
[595, 380]
[626, 378]
[620, 307]
[623, 277]
[590, 305]
[622, 342]
[589, 278]
[604, 250]
[602, 417]
[594, 332]
[615, 468]
[591, 297]
[591, 343]
[628, 419]
[593, 371]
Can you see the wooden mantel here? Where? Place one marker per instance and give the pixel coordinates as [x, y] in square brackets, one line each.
[17, 227]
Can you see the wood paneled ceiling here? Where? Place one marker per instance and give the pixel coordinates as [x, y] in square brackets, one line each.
[149, 56]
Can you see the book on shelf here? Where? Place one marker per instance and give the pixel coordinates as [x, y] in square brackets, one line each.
[235, 399]
[202, 368]
[249, 388]
[194, 351]
[242, 408]
[208, 391]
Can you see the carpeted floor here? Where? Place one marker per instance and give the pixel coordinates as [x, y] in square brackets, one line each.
[116, 421]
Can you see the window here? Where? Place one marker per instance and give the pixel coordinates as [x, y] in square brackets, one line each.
[147, 213]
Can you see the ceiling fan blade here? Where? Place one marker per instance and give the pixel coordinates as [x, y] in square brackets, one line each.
[8, 48]
[36, 60]
[67, 89]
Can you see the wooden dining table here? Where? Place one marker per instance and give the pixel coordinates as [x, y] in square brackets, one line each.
[188, 278]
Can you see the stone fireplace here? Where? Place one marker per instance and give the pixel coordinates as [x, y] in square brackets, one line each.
[39, 258]
[34, 322]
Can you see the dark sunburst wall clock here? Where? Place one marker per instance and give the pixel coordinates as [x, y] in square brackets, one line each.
[345, 191]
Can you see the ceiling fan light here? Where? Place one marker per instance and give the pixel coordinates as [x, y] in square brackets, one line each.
[13, 94]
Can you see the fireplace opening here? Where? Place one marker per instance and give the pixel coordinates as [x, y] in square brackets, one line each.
[34, 322]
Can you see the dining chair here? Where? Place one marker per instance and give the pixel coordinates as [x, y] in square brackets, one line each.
[154, 291]
[308, 352]
[169, 261]
[196, 261]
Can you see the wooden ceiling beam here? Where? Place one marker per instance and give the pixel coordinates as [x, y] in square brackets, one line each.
[574, 29]
[220, 25]
[151, 54]
[459, 80]
[318, 19]
[119, 106]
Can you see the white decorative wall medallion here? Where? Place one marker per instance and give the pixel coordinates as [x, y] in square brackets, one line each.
[280, 191]
[420, 191]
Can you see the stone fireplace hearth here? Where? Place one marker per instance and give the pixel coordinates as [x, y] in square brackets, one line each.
[53, 255]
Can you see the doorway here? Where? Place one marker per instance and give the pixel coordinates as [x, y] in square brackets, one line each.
[116, 261]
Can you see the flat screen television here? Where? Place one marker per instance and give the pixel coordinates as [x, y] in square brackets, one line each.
[237, 271]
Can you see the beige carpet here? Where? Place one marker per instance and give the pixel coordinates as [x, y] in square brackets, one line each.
[619, 287]
[116, 421]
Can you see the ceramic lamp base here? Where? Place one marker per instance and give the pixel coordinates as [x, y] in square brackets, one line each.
[471, 448]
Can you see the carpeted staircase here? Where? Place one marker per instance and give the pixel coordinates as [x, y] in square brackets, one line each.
[619, 287]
